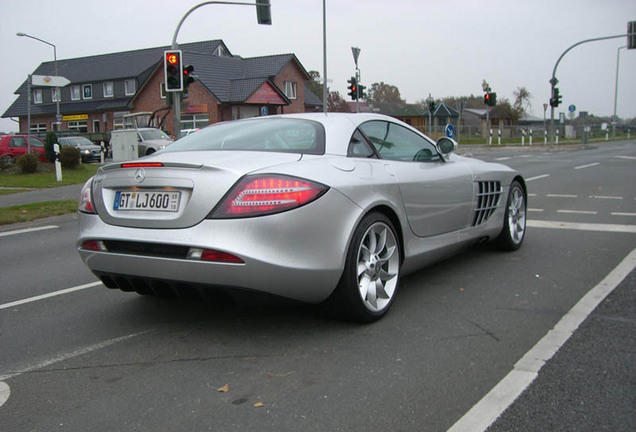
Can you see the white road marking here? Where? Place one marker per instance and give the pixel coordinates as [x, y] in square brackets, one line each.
[490, 407]
[622, 214]
[584, 212]
[587, 166]
[503, 158]
[537, 177]
[627, 157]
[5, 391]
[49, 295]
[582, 226]
[606, 197]
[27, 230]
[532, 195]
[561, 196]
[535, 210]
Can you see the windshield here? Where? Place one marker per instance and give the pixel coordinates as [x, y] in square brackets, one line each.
[269, 134]
[152, 134]
[76, 141]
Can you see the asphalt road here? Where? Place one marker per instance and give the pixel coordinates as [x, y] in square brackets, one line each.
[101, 360]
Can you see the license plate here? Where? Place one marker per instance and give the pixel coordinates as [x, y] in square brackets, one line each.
[149, 201]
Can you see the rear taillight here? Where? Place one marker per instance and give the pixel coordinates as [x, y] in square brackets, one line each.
[267, 194]
[85, 204]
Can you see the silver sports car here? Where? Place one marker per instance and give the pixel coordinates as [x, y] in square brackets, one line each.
[318, 208]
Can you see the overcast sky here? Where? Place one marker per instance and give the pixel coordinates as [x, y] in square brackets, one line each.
[441, 47]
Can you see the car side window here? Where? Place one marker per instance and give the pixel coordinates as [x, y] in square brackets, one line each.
[359, 147]
[18, 142]
[395, 142]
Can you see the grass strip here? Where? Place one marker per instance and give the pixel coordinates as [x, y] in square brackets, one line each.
[30, 212]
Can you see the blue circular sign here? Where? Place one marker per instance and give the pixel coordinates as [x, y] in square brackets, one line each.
[571, 108]
[450, 131]
[264, 111]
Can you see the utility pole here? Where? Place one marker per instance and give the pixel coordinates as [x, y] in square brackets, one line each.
[356, 54]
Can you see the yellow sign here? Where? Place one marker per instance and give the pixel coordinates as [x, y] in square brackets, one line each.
[75, 117]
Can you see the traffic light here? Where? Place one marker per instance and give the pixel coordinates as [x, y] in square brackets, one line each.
[361, 94]
[353, 88]
[173, 70]
[631, 35]
[490, 99]
[188, 76]
[431, 105]
[263, 12]
[555, 100]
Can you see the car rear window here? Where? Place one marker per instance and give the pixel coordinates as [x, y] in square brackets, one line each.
[266, 134]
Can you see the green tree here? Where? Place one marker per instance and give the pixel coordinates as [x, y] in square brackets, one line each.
[336, 103]
[522, 100]
[314, 84]
[383, 93]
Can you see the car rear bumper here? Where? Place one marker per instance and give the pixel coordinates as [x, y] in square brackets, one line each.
[297, 254]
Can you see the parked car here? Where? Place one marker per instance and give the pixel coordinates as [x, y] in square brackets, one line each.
[90, 151]
[152, 140]
[14, 146]
[311, 207]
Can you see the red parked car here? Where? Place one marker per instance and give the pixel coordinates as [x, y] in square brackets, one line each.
[14, 146]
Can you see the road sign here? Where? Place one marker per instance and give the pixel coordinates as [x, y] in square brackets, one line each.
[264, 111]
[450, 131]
[571, 108]
[49, 81]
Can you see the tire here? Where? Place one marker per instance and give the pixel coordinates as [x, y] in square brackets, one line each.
[370, 279]
[514, 227]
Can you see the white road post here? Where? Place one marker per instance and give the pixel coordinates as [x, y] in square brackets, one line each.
[58, 165]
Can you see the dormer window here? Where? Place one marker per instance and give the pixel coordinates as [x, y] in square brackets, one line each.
[87, 91]
[109, 90]
[130, 87]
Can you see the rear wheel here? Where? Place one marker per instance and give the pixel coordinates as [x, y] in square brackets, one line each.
[514, 228]
[369, 282]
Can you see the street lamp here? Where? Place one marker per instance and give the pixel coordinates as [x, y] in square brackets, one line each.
[614, 119]
[58, 92]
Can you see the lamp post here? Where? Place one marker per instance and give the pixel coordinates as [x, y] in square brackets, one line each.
[615, 119]
[57, 91]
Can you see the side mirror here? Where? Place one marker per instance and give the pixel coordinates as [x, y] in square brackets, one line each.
[446, 145]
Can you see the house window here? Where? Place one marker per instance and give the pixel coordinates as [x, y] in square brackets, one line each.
[37, 96]
[56, 94]
[38, 127]
[95, 126]
[109, 92]
[289, 88]
[87, 90]
[162, 90]
[78, 126]
[76, 92]
[194, 121]
[129, 86]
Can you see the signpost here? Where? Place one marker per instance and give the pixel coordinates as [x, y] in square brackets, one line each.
[49, 81]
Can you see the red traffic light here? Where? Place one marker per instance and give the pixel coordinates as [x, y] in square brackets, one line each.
[172, 58]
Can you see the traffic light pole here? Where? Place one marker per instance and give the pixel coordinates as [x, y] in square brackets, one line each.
[264, 17]
[554, 81]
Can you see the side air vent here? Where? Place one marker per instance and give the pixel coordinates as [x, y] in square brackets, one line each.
[488, 196]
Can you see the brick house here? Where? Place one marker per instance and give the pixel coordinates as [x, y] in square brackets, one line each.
[104, 88]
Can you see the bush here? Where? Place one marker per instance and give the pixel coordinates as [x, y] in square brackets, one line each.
[51, 138]
[70, 157]
[28, 163]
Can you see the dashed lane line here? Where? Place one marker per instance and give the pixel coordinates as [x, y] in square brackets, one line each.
[605, 197]
[49, 295]
[622, 214]
[582, 212]
[485, 412]
[561, 196]
[537, 177]
[27, 230]
[587, 166]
